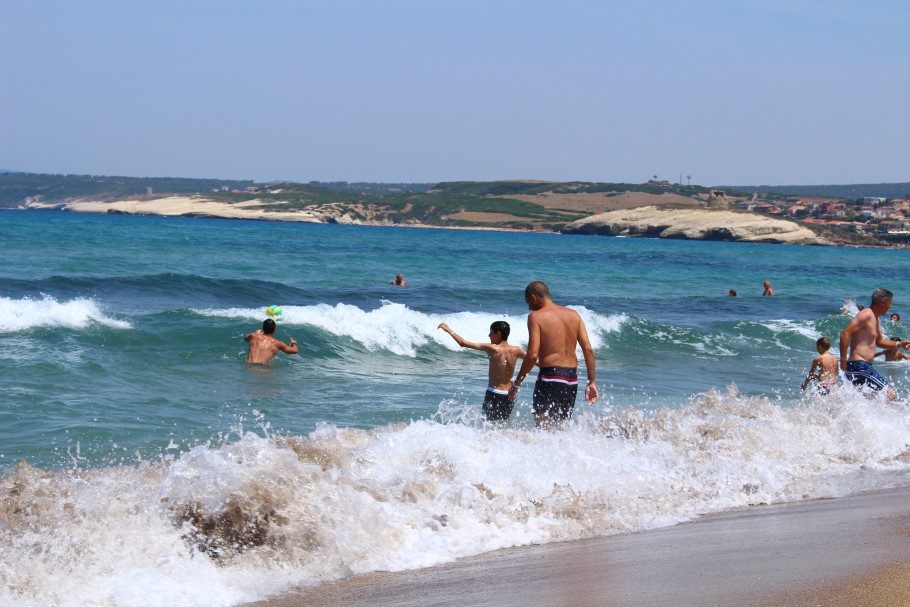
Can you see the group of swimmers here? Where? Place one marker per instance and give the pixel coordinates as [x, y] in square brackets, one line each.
[554, 333]
[857, 346]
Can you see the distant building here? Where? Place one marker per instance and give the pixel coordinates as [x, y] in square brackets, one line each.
[873, 200]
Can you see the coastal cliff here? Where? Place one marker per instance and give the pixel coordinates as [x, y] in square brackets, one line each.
[199, 206]
[695, 224]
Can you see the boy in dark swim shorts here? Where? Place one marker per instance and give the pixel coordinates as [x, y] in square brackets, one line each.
[497, 404]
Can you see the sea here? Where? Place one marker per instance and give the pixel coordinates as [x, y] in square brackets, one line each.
[142, 462]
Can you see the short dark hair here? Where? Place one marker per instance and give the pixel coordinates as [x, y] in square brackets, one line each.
[881, 296]
[893, 314]
[538, 288]
[824, 342]
[268, 326]
[501, 327]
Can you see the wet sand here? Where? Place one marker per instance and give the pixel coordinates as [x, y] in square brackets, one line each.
[848, 551]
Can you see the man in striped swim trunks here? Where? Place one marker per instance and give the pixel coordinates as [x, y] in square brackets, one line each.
[861, 336]
[553, 333]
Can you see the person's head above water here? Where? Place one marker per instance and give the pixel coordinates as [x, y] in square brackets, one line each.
[731, 293]
[881, 301]
[896, 317]
[822, 345]
[536, 294]
[499, 331]
[268, 326]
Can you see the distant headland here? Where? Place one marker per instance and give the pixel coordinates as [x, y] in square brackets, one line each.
[656, 208]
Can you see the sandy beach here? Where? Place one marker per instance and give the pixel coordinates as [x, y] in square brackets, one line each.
[847, 551]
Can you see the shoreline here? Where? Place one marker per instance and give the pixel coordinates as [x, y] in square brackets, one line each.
[304, 217]
[795, 554]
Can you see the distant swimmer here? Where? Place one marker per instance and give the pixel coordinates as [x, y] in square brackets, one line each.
[896, 318]
[823, 369]
[731, 293]
[891, 354]
[553, 333]
[769, 290]
[861, 336]
[399, 281]
[497, 405]
[263, 346]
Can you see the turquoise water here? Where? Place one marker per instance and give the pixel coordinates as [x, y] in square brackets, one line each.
[152, 355]
[143, 463]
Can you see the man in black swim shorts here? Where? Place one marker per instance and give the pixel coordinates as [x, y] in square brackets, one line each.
[553, 333]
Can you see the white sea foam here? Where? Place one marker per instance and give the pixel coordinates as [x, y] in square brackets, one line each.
[28, 313]
[398, 329]
[223, 525]
[804, 328]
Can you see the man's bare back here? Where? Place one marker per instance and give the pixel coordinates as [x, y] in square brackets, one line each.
[263, 346]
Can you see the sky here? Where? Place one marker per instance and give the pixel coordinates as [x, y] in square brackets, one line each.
[731, 93]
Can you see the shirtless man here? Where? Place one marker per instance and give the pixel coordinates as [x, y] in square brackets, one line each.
[861, 336]
[824, 368]
[553, 332]
[497, 405]
[768, 289]
[263, 346]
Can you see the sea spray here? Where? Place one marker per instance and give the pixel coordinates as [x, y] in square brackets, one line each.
[260, 514]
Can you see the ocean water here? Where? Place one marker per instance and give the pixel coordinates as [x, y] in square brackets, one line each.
[143, 463]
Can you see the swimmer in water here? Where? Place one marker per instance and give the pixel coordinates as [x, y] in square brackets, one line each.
[399, 281]
[891, 354]
[768, 289]
[497, 405]
[823, 369]
[859, 339]
[264, 346]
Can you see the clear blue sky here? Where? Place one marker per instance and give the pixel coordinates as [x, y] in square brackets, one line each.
[731, 92]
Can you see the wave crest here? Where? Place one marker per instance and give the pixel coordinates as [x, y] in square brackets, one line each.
[28, 313]
[401, 330]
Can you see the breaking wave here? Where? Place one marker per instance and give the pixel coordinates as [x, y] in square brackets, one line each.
[401, 330]
[28, 313]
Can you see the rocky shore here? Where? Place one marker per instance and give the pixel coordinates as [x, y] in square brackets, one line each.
[695, 224]
[199, 206]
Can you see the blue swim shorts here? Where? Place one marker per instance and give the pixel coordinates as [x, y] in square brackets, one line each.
[862, 373]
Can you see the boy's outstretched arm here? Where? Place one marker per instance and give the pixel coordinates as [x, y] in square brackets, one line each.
[461, 341]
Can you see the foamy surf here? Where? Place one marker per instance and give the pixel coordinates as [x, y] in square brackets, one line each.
[401, 330]
[225, 524]
[28, 313]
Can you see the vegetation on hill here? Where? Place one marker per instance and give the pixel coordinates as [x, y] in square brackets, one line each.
[523, 204]
[16, 187]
